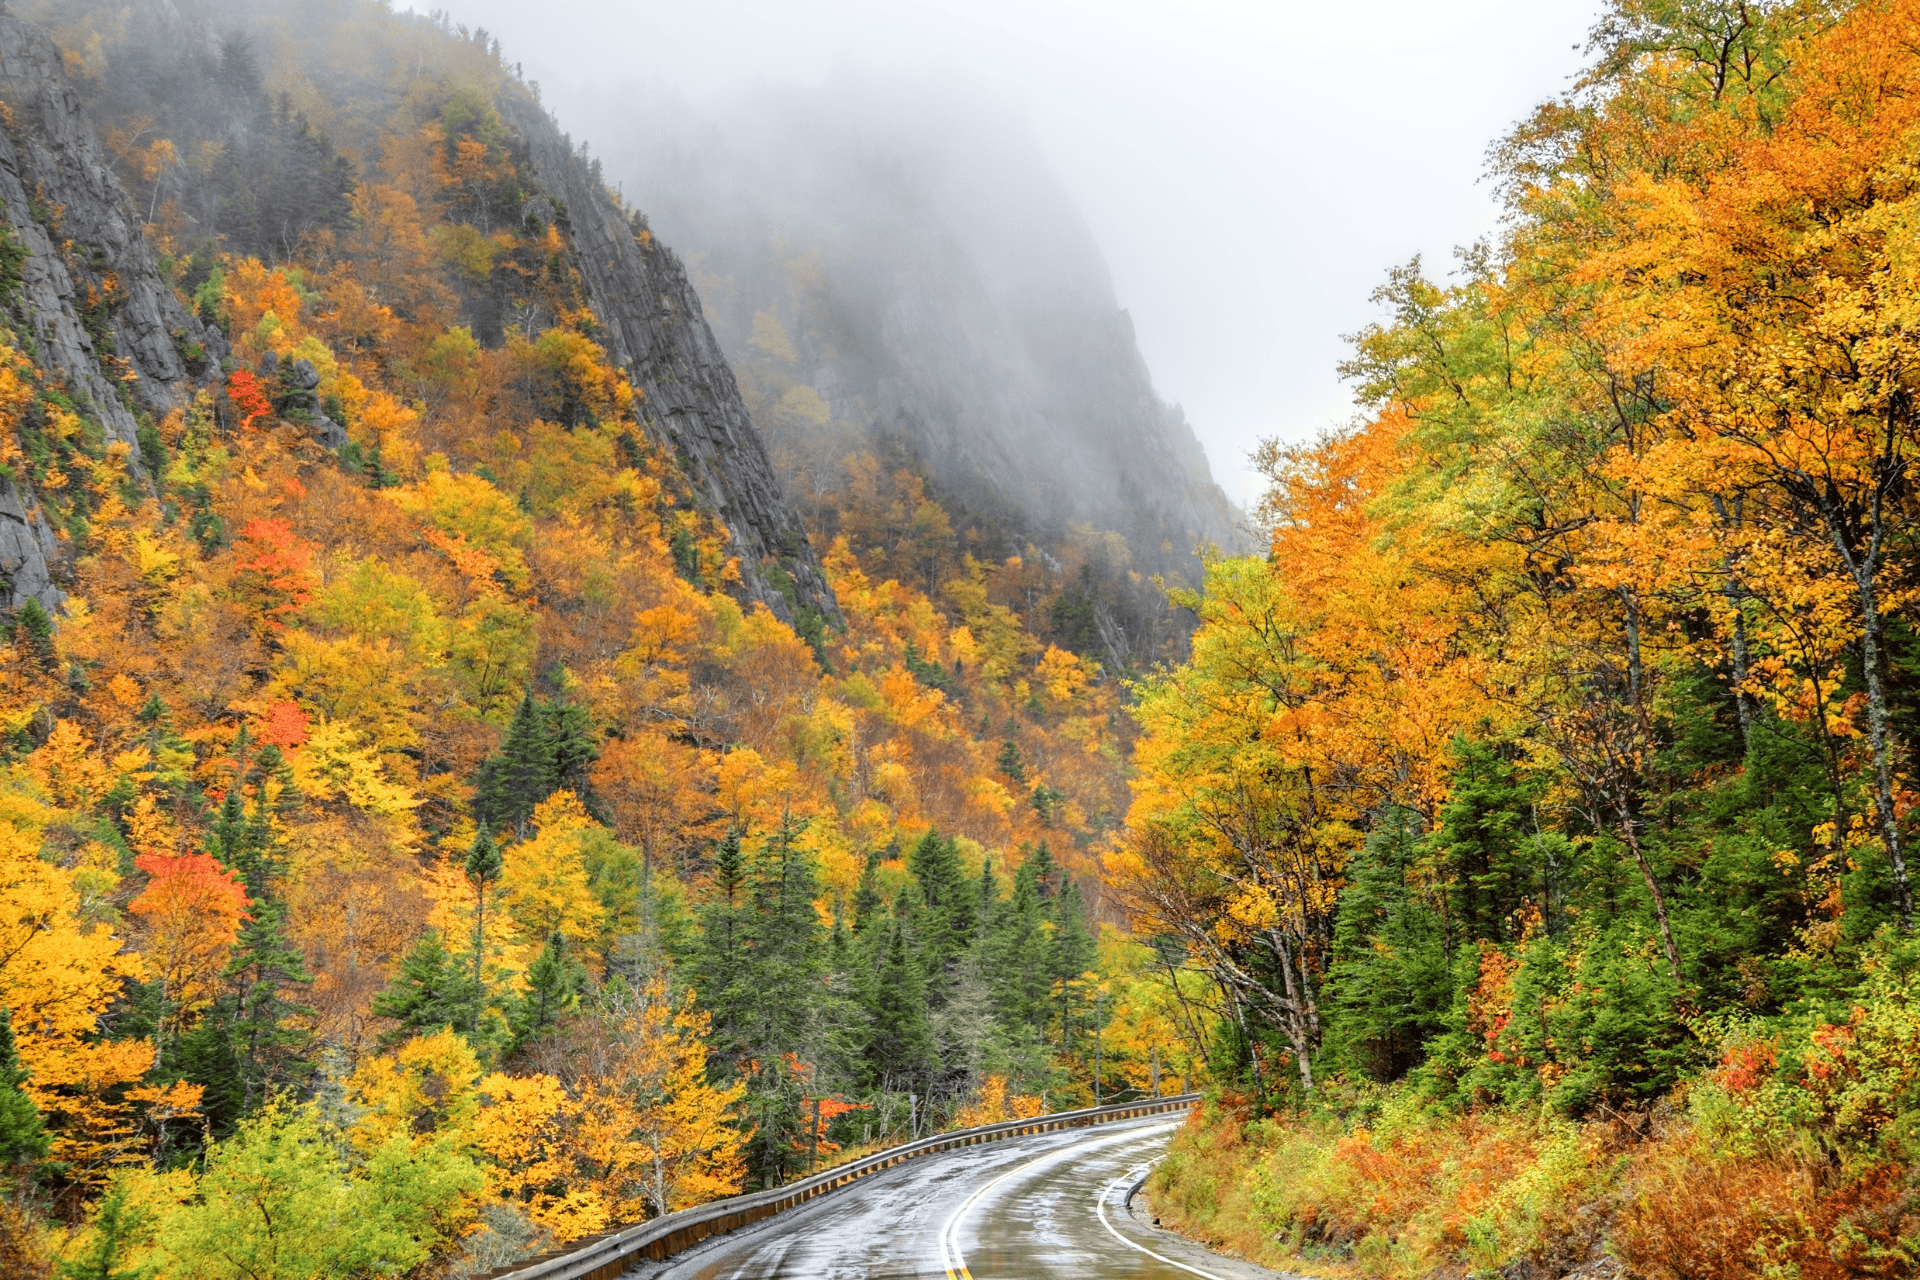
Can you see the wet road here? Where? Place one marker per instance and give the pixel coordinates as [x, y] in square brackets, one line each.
[1049, 1205]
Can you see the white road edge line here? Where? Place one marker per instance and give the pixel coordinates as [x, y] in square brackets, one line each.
[1100, 1209]
[950, 1259]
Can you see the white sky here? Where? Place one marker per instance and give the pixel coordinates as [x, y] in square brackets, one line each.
[1250, 170]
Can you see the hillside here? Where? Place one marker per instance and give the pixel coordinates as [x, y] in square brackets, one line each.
[442, 777]
[894, 272]
[1574, 708]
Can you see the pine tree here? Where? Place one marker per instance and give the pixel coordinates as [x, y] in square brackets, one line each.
[522, 775]
[868, 906]
[263, 964]
[432, 990]
[1010, 764]
[484, 866]
[949, 907]
[23, 1138]
[1072, 955]
[1389, 986]
[554, 982]
[570, 747]
[1017, 959]
[722, 977]
[899, 1053]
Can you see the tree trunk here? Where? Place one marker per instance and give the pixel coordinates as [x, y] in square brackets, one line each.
[1653, 889]
[1864, 569]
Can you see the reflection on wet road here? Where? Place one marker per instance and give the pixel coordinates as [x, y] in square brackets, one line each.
[1023, 1209]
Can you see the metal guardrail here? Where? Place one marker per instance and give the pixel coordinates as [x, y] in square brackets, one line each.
[605, 1256]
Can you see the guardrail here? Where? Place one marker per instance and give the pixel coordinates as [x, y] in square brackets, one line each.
[605, 1256]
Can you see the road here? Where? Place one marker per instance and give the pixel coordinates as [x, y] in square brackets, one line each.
[1048, 1205]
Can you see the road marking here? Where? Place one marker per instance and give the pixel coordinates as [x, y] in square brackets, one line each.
[956, 1265]
[1100, 1209]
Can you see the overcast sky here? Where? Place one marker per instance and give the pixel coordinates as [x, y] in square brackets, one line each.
[1249, 170]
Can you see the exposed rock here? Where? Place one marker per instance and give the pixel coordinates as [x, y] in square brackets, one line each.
[938, 290]
[102, 315]
[653, 326]
[91, 305]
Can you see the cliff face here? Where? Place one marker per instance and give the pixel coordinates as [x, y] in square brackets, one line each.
[654, 327]
[89, 304]
[911, 262]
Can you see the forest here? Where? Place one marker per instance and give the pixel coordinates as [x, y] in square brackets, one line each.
[420, 850]
[1542, 804]
[423, 847]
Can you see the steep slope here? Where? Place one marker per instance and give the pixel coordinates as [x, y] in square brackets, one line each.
[656, 330]
[109, 338]
[249, 172]
[895, 265]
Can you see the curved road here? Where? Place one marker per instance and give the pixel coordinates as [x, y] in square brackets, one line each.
[1048, 1205]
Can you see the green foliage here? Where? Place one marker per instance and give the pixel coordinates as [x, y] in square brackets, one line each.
[281, 1201]
[549, 746]
[23, 1139]
[117, 1227]
[33, 629]
[554, 982]
[432, 989]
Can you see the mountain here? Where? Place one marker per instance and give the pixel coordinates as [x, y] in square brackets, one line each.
[893, 267]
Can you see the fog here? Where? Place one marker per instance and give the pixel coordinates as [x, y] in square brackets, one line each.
[1248, 171]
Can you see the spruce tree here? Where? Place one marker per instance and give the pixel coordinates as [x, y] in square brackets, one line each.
[522, 775]
[868, 905]
[949, 907]
[23, 1138]
[554, 982]
[484, 866]
[1072, 955]
[899, 1054]
[1389, 989]
[431, 991]
[263, 966]
[722, 977]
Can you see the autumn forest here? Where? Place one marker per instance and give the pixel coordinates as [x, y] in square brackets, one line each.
[453, 802]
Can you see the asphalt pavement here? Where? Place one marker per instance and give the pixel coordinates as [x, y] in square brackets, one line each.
[1047, 1205]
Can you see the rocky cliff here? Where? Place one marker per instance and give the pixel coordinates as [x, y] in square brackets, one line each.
[902, 262]
[81, 291]
[654, 326]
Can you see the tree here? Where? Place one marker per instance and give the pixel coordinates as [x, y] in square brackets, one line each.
[554, 982]
[23, 1137]
[483, 867]
[431, 991]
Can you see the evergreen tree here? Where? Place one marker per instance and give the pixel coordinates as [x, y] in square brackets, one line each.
[570, 748]
[554, 982]
[522, 775]
[1017, 954]
[23, 1138]
[432, 990]
[1072, 955]
[722, 977]
[548, 747]
[949, 907]
[868, 906]
[484, 866]
[900, 1052]
[1390, 989]
[1009, 762]
[263, 966]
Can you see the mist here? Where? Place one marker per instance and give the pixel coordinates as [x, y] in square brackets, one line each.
[1247, 173]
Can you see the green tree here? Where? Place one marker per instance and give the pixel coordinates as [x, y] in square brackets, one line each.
[23, 1138]
[554, 982]
[484, 866]
[431, 990]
